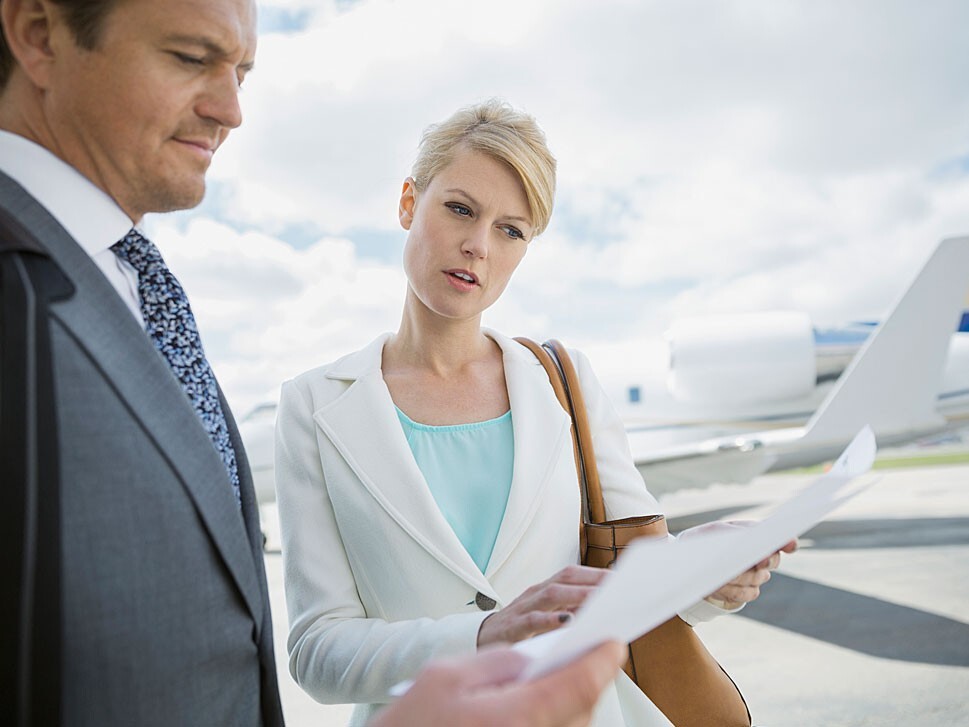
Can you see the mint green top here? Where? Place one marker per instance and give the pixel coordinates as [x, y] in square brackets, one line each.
[468, 469]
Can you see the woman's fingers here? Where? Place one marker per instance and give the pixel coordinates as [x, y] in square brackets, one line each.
[533, 614]
[542, 607]
[790, 547]
[769, 564]
[746, 587]
[510, 628]
[565, 591]
[581, 575]
[736, 594]
[557, 597]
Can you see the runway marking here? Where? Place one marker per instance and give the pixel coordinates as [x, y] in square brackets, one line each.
[860, 623]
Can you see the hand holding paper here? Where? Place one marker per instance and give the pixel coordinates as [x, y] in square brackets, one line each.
[746, 586]
[654, 580]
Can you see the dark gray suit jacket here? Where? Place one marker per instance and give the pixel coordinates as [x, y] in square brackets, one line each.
[166, 609]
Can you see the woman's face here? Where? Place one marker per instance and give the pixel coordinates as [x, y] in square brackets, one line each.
[467, 233]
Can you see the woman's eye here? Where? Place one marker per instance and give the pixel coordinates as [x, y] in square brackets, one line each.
[513, 232]
[459, 209]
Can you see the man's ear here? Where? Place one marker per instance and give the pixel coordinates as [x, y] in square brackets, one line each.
[408, 201]
[29, 27]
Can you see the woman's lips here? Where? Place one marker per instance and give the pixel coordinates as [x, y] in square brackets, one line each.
[462, 279]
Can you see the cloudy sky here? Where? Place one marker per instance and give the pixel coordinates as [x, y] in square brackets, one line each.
[715, 156]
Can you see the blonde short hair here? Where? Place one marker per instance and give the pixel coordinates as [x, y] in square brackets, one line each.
[494, 128]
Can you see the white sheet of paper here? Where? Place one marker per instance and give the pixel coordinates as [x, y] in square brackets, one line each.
[654, 580]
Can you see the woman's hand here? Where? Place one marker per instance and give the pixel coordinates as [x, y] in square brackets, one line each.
[745, 587]
[542, 607]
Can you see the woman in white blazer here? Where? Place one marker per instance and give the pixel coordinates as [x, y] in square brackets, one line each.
[378, 581]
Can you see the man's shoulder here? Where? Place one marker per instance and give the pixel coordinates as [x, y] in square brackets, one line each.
[15, 201]
[15, 236]
[23, 216]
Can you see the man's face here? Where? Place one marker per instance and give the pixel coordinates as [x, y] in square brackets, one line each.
[142, 114]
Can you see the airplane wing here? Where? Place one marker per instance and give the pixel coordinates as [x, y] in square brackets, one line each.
[892, 384]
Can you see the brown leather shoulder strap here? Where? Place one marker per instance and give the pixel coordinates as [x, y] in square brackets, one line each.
[551, 369]
[565, 381]
[580, 417]
[558, 385]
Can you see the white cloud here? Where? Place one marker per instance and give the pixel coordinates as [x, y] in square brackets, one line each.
[713, 156]
[268, 312]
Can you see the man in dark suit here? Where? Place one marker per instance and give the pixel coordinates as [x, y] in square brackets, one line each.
[111, 109]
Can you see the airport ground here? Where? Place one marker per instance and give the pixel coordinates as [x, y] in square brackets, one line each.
[866, 626]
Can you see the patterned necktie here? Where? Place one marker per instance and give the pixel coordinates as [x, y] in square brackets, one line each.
[171, 326]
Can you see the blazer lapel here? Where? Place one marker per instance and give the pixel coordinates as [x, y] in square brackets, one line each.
[103, 326]
[363, 425]
[542, 430]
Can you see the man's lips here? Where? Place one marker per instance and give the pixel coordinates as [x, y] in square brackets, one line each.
[204, 147]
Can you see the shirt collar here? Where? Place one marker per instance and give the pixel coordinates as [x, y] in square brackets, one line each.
[89, 215]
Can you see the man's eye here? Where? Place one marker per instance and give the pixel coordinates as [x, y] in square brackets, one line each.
[189, 60]
[459, 209]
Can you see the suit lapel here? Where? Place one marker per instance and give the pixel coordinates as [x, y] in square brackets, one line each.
[250, 512]
[541, 432]
[102, 325]
[362, 424]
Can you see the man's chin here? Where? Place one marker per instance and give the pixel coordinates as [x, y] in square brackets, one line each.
[174, 197]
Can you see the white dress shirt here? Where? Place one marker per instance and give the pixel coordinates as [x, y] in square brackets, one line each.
[89, 215]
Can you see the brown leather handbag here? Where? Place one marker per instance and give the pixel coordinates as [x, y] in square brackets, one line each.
[670, 663]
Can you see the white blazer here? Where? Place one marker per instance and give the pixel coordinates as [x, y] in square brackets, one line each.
[377, 583]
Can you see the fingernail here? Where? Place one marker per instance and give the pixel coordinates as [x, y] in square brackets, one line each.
[563, 617]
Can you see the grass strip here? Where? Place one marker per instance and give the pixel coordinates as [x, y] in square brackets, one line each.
[895, 462]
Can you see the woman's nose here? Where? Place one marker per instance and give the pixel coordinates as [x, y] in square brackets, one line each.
[475, 245]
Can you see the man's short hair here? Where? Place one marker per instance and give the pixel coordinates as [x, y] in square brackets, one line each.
[85, 19]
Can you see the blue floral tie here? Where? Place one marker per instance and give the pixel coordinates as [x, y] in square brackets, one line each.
[171, 326]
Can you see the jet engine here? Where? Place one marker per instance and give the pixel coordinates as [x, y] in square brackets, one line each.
[747, 359]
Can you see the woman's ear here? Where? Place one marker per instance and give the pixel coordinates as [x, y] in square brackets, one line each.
[408, 201]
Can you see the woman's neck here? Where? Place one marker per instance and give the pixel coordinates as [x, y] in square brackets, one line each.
[437, 345]
[443, 371]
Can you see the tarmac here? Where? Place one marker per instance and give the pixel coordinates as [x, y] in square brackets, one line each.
[867, 625]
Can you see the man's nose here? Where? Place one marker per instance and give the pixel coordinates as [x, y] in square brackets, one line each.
[220, 102]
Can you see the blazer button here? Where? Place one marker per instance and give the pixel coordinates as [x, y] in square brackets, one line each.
[485, 603]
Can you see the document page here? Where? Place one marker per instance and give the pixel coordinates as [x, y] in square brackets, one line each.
[655, 579]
